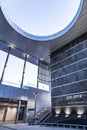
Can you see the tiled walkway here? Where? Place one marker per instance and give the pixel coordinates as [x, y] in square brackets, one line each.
[27, 127]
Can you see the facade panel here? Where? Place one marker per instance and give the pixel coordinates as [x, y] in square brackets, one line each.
[69, 74]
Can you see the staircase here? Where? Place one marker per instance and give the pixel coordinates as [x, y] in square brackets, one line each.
[40, 116]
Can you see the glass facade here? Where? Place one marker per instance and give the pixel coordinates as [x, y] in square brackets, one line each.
[69, 73]
[30, 76]
[43, 86]
[3, 56]
[19, 72]
[11, 67]
[13, 72]
[43, 76]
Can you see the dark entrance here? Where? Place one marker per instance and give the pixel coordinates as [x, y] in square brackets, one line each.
[22, 111]
[21, 114]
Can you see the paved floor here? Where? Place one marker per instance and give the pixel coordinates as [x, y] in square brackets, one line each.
[27, 127]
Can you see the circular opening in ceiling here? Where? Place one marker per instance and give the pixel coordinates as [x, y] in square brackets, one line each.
[41, 19]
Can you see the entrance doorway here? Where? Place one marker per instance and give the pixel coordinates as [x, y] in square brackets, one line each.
[21, 114]
[9, 111]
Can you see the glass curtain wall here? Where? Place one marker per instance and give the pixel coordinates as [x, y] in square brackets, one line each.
[13, 72]
[3, 56]
[30, 76]
[43, 76]
[19, 72]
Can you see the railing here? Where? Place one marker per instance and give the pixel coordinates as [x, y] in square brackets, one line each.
[40, 116]
[47, 117]
[84, 127]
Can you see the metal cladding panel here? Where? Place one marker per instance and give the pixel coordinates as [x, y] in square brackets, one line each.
[69, 74]
[13, 93]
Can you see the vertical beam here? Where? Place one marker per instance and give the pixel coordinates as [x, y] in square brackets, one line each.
[5, 113]
[25, 113]
[23, 71]
[38, 75]
[18, 111]
[5, 65]
[35, 98]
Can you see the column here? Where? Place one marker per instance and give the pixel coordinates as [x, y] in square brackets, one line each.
[23, 71]
[5, 113]
[25, 113]
[5, 65]
[18, 111]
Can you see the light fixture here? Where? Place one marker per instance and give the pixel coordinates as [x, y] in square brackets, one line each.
[28, 55]
[66, 115]
[67, 111]
[79, 116]
[12, 45]
[56, 115]
[24, 54]
[57, 111]
[80, 110]
[41, 59]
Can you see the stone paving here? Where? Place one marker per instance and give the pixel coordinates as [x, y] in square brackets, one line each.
[27, 127]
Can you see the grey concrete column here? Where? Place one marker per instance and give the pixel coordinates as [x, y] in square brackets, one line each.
[18, 111]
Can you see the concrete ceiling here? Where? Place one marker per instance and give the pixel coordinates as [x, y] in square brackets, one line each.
[42, 49]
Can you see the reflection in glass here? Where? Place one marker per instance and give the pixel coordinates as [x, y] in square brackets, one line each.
[30, 76]
[3, 56]
[13, 72]
[43, 86]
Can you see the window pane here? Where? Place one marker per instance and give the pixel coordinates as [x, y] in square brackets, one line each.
[13, 72]
[30, 77]
[43, 86]
[3, 56]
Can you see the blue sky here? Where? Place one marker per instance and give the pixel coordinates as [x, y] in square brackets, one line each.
[41, 17]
